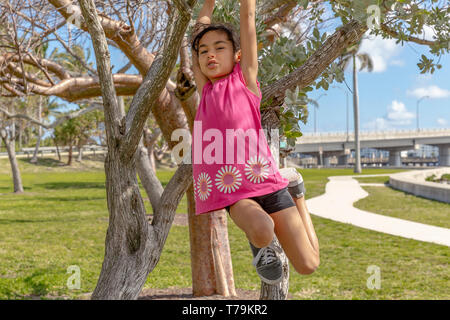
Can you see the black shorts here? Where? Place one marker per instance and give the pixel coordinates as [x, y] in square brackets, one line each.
[274, 201]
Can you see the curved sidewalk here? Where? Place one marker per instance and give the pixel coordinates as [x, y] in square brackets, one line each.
[337, 204]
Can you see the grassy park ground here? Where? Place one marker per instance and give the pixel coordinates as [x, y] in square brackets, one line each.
[61, 220]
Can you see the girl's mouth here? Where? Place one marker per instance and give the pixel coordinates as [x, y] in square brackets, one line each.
[212, 65]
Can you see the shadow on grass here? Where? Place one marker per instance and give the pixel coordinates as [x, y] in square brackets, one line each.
[38, 287]
[72, 185]
[10, 190]
[44, 162]
[73, 198]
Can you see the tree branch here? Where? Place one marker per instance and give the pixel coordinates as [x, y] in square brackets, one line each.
[317, 63]
[93, 106]
[103, 58]
[154, 81]
[396, 35]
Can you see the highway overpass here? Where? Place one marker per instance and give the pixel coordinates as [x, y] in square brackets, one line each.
[327, 145]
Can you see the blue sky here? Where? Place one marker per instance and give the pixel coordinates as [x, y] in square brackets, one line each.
[388, 95]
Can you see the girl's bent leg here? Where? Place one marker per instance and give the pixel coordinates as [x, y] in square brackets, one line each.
[306, 218]
[251, 218]
[292, 235]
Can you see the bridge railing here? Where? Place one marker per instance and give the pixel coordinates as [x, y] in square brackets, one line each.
[369, 135]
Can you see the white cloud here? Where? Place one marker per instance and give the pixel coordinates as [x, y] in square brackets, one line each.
[377, 124]
[396, 115]
[432, 91]
[382, 51]
[442, 122]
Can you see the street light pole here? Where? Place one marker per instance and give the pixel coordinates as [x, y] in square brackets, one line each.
[417, 110]
[315, 111]
[346, 106]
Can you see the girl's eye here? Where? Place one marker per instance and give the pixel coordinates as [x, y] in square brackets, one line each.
[202, 52]
[220, 48]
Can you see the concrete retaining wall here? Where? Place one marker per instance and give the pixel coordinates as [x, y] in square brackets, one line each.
[414, 182]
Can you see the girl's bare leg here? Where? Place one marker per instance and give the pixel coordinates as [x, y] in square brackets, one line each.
[292, 234]
[306, 218]
[250, 217]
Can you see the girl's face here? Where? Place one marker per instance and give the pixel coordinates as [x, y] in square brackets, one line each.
[215, 55]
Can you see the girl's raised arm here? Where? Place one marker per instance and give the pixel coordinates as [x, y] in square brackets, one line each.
[249, 51]
[206, 12]
[204, 17]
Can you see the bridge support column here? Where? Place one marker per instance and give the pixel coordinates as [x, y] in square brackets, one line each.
[395, 159]
[444, 155]
[343, 160]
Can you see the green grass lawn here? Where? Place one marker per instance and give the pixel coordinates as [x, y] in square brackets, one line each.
[406, 206]
[381, 179]
[61, 220]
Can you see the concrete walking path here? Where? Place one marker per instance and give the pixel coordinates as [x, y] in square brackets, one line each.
[337, 204]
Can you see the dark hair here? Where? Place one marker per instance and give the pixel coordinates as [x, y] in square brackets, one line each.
[200, 29]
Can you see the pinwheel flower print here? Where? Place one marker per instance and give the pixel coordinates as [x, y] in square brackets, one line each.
[204, 186]
[256, 169]
[228, 179]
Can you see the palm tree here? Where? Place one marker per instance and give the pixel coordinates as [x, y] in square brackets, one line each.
[350, 54]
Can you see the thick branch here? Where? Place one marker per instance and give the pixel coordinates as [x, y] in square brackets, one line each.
[120, 33]
[81, 87]
[53, 67]
[103, 58]
[154, 82]
[317, 63]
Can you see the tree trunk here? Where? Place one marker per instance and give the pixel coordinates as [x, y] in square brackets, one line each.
[151, 158]
[69, 161]
[148, 177]
[357, 168]
[57, 150]
[36, 149]
[133, 246]
[10, 149]
[80, 153]
[212, 271]
[270, 123]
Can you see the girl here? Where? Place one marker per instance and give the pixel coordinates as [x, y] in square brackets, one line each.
[250, 187]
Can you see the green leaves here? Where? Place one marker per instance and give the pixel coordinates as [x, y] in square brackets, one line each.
[427, 65]
[292, 111]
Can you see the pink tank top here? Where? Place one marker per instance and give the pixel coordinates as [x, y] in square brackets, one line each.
[231, 159]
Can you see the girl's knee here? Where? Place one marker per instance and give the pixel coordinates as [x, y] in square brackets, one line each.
[307, 267]
[262, 232]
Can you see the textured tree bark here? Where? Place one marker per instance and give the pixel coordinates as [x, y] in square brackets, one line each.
[211, 273]
[147, 174]
[133, 246]
[10, 149]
